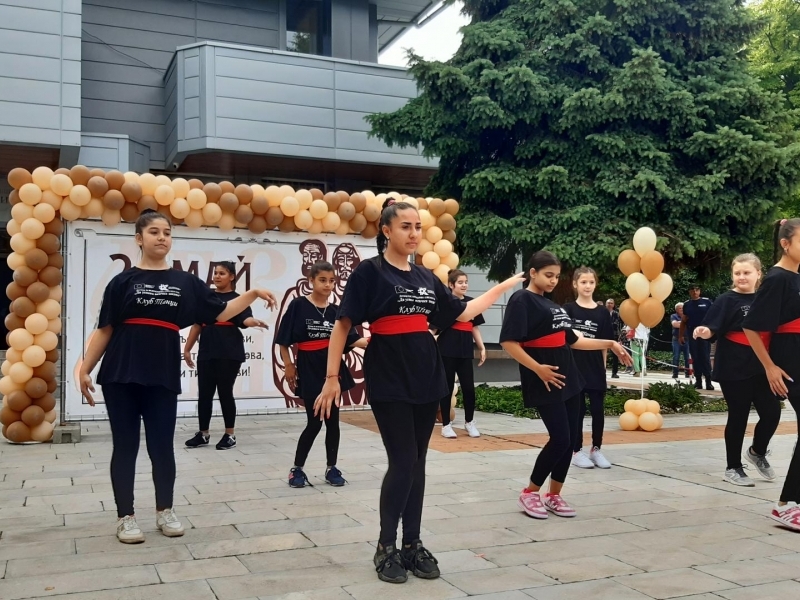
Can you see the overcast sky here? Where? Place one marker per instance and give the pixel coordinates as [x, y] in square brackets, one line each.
[438, 39]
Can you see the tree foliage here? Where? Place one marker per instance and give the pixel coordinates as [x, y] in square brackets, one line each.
[774, 52]
[568, 124]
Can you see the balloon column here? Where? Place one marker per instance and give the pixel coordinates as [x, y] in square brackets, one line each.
[641, 414]
[43, 199]
[647, 285]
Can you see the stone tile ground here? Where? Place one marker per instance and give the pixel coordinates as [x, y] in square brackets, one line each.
[660, 524]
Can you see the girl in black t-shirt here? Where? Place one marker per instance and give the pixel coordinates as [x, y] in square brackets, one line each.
[594, 322]
[143, 311]
[219, 360]
[739, 373]
[307, 324]
[538, 333]
[455, 345]
[403, 372]
[776, 311]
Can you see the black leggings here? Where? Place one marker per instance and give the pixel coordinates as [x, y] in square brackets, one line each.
[313, 427]
[740, 395]
[216, 375]
[128, 404]
[791, 487]
[700, 350]
[406, 430]
[561, 420]
[466, 379]
[596, 398]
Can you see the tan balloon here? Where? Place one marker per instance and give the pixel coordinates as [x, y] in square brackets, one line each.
[331, 222]
[303, 219]
[629, 262]
[52, 199]
[287, 225]
[274, 217]
[226, 222]
[661, 287]
[433, 234]
[451, 207]
[638, 287]
[628, 421]
[258, 224]
[644, 240]
[443, 248]
[344, 228]
[651, 312]
[212, 213]
[36, 259]
[451, 260]
[194, 219]
[111, 217]
[18, 401]
[19, 177]
[359, 223]
[56, 292]
[98, 186]
[436, 207]
[43, 432]
[424, 246]
[652, 264]
[629, 313]
[441, 272]
[23, 308]
[18, 432]
[316, 227]
[372, 213]
[346, 211]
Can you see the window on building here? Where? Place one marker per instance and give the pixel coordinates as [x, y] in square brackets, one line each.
[308, 26]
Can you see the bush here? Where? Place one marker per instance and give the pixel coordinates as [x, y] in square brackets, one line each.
[673, 398]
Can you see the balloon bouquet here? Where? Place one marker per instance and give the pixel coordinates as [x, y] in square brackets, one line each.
[647, 286]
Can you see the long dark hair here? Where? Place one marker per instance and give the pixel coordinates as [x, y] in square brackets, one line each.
[540, 260]
[390, 209]
[230, 267]
[784, 230]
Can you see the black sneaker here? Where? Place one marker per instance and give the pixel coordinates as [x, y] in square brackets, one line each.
[227, 442]
[297, 478]
[420, 561]
[709, 386]
[615, 376]
[390, 565]
[199, 439]
[334, 477]
[698, 385]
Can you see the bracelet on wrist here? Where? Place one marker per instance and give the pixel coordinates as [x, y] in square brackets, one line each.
[333, 376]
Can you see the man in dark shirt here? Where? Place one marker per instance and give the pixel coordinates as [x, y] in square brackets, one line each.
[616, 328]
[694, 311]
[678, 347]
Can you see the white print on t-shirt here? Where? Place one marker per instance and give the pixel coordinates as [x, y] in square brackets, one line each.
[745, 309]
[319, 330]
[413, 302]
[148, 295]
[587, 327]
[561, 319]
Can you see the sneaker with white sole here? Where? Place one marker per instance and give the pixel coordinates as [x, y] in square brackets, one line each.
[598, 460]
[580, 459]
[167, 521]
[558, 506]
[128, 531]
[531, 504]
[472, 430]
[447, 432]
[761, 464]
[787, 515]
[737, 476]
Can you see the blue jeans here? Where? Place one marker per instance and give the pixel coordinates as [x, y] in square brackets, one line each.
[677, 350]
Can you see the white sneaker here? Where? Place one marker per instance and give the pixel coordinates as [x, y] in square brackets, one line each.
[738, 477]
[167, 521]
[471, 429]
[128, 531]
[447, 431]
[579, 459]
[597, 458]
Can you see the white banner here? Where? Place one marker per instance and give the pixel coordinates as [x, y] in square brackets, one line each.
[277, 261]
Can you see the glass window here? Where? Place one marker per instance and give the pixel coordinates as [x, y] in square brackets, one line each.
[308, 26]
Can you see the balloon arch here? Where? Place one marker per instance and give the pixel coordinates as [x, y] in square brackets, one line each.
[43, 199]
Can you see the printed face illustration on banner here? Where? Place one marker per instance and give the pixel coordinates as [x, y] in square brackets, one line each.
[95, 254]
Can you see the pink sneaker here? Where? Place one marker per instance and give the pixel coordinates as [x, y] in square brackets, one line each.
[531, 504]
[787, 515]
[558, 506]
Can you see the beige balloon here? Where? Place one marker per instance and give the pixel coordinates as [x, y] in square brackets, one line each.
[451, 260]
[648, 421]
[431, 260]
[638, 287]
[644, 240]
[661, 287]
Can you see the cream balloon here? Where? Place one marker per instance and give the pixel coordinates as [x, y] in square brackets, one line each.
[331, 222]
[644, 240]
[431, 260]
[648, 421]
[433, 234]
[443, 248]
[22, 244]
[451, 260]
[34, 356]
[32, 228]
[36, 323]
[638, 287]
[43, 211]
[50, 309]
[661, 287]
[47, 340]
[20, 372]
[212, 213]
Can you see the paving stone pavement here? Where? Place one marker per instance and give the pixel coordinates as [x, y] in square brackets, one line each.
[660, 524]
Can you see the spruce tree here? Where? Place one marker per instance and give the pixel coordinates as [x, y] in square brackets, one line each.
[568, 124]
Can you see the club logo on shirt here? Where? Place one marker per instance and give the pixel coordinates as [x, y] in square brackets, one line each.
[164, 295]
[163, 287]
[318, 329]
[418, 301]
[745, 309]
[561, 319]
[399, 289]
[423, 291]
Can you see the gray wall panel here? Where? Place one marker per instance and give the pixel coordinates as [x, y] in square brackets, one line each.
[276, 113]
[261, 69]
[40, 73]
[114, 152]
[275, 132]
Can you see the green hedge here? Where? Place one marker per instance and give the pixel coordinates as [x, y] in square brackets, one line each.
[673, 398]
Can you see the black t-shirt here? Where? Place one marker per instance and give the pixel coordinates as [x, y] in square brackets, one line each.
[777, 302]
[455, 343]
[406, 367]
[695, 311]
[733, 361]
[224, 342]
[528, 317]
[593, 323]
[304, 322]
[149, 354]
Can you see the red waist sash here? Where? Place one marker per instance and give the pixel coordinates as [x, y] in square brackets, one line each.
[790, 327]
[399, 324]
[462, 326]
[554, 340]
[221, 323]
[313, 345]
[739, 337]
[152, 323]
